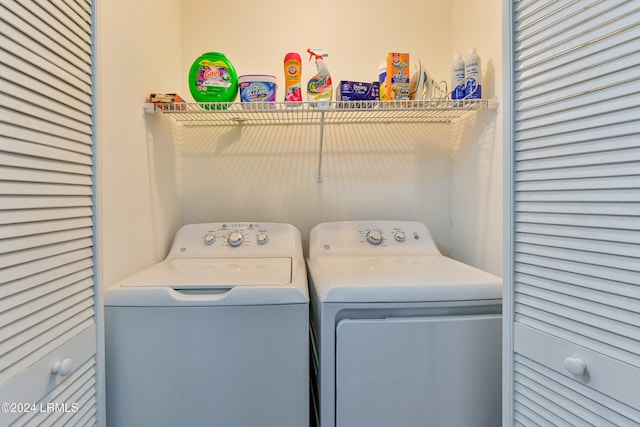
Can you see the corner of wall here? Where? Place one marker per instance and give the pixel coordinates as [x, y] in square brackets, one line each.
[133, 60]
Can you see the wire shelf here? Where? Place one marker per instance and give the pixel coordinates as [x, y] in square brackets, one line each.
[438, 110]
[434, 110]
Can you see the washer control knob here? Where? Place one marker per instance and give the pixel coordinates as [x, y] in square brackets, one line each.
[235, 239]
[209, 238]
[399, 236]
[262, 238]
[374, 237]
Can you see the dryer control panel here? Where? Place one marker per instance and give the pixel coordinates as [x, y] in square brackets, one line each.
[229, 239]
[372, 237]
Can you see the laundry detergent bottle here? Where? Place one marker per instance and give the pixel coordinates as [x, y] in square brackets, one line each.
[212, 78]
[292, 77]
[319, 87]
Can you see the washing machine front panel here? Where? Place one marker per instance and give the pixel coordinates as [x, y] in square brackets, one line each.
[231, 366]
[216, 334]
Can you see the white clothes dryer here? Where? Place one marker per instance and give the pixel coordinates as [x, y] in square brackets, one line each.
[214, 335]
[401, 335]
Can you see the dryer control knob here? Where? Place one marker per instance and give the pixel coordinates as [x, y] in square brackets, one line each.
[262, 238]
[399, 236]
[209, 238]
[235, 239]
[374, 237]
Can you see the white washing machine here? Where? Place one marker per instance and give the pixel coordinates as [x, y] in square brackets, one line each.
[214, 335]
[401, 335]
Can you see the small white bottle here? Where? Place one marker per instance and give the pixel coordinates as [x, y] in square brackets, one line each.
[457, 77]
[473, 75]
[382, 80]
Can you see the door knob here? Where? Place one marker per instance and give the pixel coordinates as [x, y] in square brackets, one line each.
[62, 368]
[575, 365]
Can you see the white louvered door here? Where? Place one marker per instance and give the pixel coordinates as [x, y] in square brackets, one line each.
[46, 219]
[573, 268]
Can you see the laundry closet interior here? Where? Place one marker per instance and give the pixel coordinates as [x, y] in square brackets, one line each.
[160, 170]
[537, 184]
[156, 174]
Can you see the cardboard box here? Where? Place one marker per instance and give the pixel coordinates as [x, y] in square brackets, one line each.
[398, 73]
[363, 92]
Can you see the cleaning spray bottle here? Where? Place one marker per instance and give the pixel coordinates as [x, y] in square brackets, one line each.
[319, 87]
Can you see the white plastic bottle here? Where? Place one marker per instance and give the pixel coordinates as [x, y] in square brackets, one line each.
[457, 77]
[473, 75]
[382, 79]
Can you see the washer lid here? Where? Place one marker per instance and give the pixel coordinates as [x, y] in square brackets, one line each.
[211, 272]
[401, 279]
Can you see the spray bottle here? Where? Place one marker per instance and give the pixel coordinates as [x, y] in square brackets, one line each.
[319, 86]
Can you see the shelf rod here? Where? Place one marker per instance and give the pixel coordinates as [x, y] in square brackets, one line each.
[319, 177]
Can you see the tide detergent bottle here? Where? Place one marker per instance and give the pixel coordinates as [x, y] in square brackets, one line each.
[319, 87]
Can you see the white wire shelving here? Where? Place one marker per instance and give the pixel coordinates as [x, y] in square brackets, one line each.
[435, 110]
[282, 113]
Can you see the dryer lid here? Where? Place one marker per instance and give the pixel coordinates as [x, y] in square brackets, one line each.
[400, 279]
[210, 272]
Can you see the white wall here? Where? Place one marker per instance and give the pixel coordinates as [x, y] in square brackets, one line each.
[138, 46]
[155, 175]
[370, 172]
[255, 35]
[377, 171]
[477, 152]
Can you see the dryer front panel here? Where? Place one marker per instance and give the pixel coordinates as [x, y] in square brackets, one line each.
[432, 370]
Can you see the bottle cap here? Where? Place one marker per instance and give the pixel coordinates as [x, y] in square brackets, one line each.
[292, 55]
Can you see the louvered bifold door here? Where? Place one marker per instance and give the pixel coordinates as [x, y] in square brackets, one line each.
[46, 191]
[575, 229]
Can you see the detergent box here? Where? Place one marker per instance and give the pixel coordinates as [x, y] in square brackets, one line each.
[358, 91]
[397, 79]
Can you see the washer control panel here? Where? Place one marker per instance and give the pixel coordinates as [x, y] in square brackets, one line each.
[236, 235]
[380, 236]
[377, 236]
[234, 239]
[372, 237]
